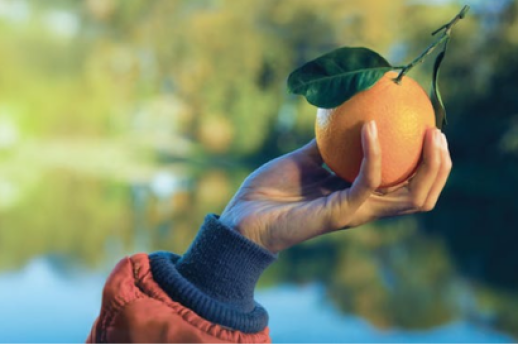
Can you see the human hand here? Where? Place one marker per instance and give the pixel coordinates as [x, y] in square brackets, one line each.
[293, 198]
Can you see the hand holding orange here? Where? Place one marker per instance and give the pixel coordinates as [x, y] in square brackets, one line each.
[402, 112]
[352, 86]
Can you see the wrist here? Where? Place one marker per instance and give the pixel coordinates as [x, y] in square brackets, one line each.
[251, 229]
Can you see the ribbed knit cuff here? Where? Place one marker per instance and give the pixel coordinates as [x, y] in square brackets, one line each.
[216, 277]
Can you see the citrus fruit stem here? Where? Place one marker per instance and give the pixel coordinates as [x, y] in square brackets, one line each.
[446, 34]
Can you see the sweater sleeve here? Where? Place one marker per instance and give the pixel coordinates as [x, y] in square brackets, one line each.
[216, 277]
[203, 296]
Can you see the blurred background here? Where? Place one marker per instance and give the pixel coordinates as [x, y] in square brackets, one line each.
[122, 123]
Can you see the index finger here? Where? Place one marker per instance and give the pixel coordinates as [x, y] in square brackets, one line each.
[428, 170]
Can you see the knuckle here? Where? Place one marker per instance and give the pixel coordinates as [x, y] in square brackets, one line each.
[370, 180]
[375, 152]
[434, 162]
[371, 183]
[340, 223]
[336, 221]
[417, 204]
[428, 207]
[448, 164]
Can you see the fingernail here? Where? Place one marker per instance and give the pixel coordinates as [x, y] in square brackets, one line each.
[373, 128]
[438, 138]
[444, 142]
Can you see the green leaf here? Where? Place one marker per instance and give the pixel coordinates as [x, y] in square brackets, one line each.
[333, 78]
[435, 95]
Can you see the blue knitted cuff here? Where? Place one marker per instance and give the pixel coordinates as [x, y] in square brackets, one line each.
[216, 277]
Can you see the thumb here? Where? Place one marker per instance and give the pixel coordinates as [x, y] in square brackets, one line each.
[334, 211]
[340, 206]
[369, 177]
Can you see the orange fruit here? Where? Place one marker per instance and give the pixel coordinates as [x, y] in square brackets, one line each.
[402, 112]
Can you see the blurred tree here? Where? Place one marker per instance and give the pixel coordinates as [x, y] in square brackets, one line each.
[228, 61]
[478, 209]
[63, 216]
[204, 80]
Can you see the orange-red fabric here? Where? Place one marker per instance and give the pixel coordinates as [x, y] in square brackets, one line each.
[136, 310]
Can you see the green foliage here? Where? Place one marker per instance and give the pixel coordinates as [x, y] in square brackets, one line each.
[89, 116]
[335, 77]
[435, 95]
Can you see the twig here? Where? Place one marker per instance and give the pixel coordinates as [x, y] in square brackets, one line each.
[446, 34]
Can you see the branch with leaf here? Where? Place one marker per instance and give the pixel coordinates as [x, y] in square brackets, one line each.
[334, 78]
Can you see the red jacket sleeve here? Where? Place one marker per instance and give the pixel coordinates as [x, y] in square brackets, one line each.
[136, 310]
